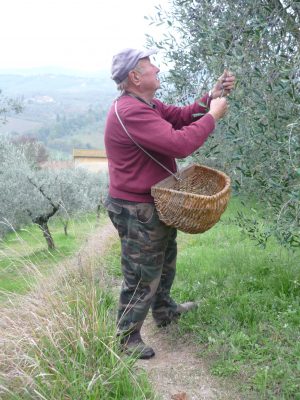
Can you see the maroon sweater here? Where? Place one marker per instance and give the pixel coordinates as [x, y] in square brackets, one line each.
[166, 132]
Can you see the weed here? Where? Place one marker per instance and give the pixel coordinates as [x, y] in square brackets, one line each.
[59, 341]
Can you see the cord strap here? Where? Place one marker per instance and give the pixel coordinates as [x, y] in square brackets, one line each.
[140, 147]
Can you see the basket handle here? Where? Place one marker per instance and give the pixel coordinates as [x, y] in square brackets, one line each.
[139, 146]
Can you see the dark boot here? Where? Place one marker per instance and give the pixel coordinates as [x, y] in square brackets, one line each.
[175, 315]
[186, 307]
[133, 345]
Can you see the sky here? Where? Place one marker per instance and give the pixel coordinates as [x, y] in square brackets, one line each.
[72, 34]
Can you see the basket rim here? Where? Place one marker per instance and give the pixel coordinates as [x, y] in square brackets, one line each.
[195, 195]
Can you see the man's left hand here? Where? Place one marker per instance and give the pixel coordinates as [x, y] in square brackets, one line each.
[224, 85]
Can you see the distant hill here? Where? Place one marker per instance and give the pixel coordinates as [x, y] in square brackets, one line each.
[63, 111]
[52, 69]
[24, 84]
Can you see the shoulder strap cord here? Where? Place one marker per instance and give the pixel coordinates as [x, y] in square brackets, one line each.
[139, 146]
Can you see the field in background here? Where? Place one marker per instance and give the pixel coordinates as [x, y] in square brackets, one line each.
[19, 125]
[60, 110]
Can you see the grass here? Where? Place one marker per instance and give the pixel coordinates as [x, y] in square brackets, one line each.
[248, 321]
[247, 325]
[24, 254]
[66, 346]
[59, 340]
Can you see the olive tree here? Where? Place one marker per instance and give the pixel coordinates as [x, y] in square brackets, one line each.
[29, 194]
[35, 151]
[13, 170]
[8, 106]
[79, 191]
[25, 193]
[258, 143]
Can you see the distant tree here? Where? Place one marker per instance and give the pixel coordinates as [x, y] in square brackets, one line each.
[14, 188]
[42, 218]
[25, 193]
[35, 152]
[8, 105]
[80, 191]
[35, 195]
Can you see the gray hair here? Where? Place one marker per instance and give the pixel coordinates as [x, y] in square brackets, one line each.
[123, 85]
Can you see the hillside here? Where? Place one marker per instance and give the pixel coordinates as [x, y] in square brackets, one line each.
[62, 111]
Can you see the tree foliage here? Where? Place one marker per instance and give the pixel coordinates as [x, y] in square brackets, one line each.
[35, 152]
[32, 195]
[258, 142]
[8, 105]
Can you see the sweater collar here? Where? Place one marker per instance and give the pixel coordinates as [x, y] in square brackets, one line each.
[140, 99]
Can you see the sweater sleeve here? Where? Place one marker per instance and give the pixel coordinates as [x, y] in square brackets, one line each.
[182, 116]
[148, 128]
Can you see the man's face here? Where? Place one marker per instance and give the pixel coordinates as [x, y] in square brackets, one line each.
[148, 75]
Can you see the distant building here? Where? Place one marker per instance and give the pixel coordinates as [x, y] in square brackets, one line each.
[92, 160]
[41, 99]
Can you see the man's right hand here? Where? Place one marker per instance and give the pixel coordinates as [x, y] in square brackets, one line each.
[218, 107]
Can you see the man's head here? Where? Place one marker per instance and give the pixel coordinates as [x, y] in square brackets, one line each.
[132, 69]
[125, 61]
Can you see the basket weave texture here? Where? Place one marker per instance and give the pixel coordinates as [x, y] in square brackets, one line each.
[195, 202]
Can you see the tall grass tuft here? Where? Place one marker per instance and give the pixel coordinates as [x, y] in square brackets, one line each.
[59, 342]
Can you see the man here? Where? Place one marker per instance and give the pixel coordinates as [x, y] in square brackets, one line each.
[143, 136]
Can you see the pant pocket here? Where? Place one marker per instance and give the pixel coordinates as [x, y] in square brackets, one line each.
[113, 207]
[115, 213]
[144, 212]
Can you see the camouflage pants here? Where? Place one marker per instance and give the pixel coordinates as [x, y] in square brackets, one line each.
[148, 261]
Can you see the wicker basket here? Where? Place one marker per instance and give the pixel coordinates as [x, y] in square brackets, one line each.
[195, 202]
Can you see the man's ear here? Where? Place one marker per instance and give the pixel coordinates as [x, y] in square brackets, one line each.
[134, 77]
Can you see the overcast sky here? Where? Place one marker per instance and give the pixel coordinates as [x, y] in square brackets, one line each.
[77, 34]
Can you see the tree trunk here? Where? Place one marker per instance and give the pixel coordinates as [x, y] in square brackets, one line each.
[98, 211]
[42, 220]
[47, 235]
[66, 227]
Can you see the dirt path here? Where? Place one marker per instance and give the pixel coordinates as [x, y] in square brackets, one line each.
[176, 372]
[97, 243]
